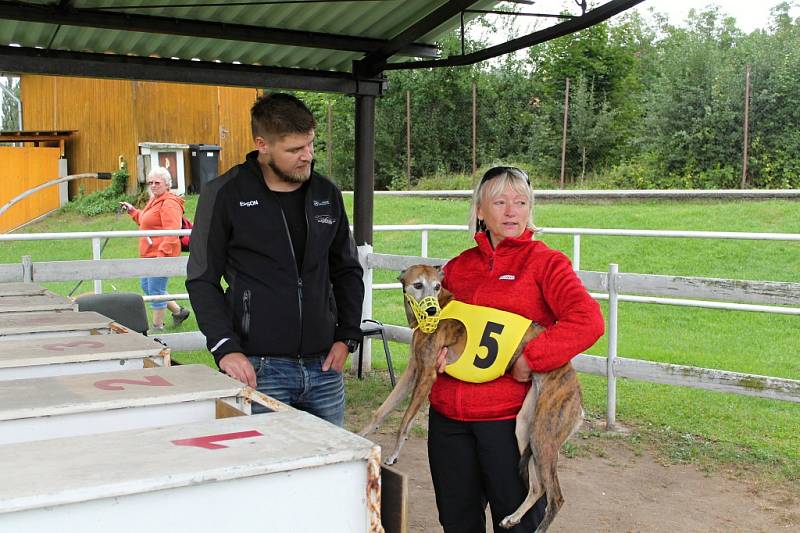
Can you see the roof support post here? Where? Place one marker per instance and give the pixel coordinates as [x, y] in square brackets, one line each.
[364, 185]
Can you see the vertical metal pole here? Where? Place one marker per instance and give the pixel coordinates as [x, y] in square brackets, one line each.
[474, 127]
[613, 317]
[746, 124]
[364, 187]
[564, 134]
[408, 140]
[96, 251]
[424, 243]
[576, 251]
[366, 312]
[329, 146]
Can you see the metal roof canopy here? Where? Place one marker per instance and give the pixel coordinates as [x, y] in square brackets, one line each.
[341, 46]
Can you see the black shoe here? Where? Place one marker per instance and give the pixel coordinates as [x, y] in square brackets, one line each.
[179, 317]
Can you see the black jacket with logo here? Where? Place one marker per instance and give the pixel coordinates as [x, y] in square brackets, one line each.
[269, 308]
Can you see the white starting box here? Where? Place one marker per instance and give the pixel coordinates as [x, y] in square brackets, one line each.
[57, 356]
[47, 301]
[280, 472]
[21, 289]
[42, 324]
[64, 406]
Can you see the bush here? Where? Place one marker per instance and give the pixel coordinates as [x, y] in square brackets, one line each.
[105, 201]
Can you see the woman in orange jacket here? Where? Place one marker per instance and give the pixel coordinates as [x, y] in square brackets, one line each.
[163, 211]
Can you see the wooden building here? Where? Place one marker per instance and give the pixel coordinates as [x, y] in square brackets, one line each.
[111, 118]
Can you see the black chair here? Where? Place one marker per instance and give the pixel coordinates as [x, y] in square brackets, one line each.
[373, 328]
[124, 308]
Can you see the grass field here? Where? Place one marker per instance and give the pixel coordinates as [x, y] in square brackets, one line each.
[686, 424]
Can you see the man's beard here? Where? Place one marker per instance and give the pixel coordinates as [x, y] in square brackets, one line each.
[300, 177]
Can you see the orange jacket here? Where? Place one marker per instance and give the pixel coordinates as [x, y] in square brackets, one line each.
[161, 212]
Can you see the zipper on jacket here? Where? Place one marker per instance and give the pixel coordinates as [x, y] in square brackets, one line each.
[299, 278]
[246, 298]
[491, 263]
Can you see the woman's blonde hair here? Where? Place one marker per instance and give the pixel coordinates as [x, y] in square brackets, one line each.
[492, 184]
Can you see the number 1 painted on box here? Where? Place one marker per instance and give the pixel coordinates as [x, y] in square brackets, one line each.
[209, 441]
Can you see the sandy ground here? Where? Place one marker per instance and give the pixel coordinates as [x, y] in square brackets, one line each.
[623, 491]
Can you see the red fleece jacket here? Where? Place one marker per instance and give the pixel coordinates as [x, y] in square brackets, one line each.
[526, 277]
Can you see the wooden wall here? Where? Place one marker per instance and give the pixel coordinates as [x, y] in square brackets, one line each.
[113, 116]
[23, 168]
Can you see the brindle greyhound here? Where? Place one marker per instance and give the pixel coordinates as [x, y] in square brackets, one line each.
[550, 414]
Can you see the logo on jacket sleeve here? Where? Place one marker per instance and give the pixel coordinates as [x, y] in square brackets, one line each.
[249, 203]
[325, 219]
[321, 203]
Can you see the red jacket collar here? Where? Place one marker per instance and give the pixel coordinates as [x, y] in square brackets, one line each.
[507, 245]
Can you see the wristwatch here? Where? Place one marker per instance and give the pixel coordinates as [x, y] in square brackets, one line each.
[352, 344]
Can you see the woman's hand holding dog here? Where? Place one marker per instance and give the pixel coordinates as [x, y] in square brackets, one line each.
[521, 371]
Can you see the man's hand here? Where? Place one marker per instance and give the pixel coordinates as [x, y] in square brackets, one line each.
[336, 357]
[521, 371]
[238, 366]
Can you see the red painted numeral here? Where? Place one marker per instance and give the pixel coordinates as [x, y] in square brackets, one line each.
[116, 384]
[208, 442]
[59, 346]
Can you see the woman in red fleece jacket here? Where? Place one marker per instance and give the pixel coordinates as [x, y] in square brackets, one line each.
[164, 210]
[472, 449]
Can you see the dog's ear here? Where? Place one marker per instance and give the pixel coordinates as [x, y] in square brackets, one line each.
[439, 272]
[400, 277]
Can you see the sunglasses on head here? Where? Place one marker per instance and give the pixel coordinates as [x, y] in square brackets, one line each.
[497, 171]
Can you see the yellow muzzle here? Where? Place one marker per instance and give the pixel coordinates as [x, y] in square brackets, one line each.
[426, 323]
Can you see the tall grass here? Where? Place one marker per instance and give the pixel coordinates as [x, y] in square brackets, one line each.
[691, 424]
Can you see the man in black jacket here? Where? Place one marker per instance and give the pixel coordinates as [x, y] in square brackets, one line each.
[277, 232]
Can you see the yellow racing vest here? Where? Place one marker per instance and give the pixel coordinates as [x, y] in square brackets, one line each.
[492, 338]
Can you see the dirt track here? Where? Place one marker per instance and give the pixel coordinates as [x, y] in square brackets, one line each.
[625, 492]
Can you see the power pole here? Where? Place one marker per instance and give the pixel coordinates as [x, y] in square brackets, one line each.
[408, 140]
[564, 135]
[746, 124]
[330, 140]
[474, 127]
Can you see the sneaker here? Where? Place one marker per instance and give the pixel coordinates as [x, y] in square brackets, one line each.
[179, 317]
[157, 329]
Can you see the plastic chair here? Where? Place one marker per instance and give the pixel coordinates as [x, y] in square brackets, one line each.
[373, 328]
[124, 308]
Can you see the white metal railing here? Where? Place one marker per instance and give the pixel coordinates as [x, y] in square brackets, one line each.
[759, 296]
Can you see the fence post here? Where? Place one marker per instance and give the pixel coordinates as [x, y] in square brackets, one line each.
[424, 243]
[96, 251]
[366, 312]
[611, 360]
[27, 269]
[576, 251]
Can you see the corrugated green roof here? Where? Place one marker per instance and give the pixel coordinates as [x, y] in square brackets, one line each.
[380, 20]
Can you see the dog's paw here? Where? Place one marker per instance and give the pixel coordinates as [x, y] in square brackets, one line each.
[509, 522]
[392, 459]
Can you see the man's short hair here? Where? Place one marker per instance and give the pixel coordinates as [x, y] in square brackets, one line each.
[276, 115]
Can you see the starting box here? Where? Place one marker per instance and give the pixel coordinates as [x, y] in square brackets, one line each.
[282, 471]
[42, 324]
[60, 406]
[56, 356]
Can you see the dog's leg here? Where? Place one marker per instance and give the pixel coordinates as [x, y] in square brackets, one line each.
[534, 492]
[557, 415]
[400, 391]
[425, 381]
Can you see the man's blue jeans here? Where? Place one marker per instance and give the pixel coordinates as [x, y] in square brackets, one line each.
[302, 384]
